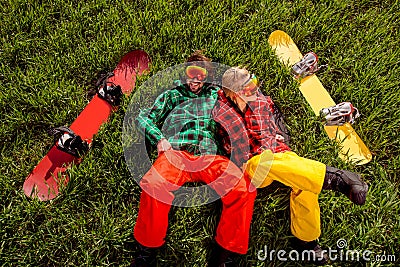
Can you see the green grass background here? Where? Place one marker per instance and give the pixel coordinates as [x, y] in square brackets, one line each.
[51, 52]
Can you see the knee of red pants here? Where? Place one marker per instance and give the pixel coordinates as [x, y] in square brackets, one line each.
[244, 188]
[158, 190]
[225, 176]
[161, 180]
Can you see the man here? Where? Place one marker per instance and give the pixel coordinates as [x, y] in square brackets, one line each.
[186, 153]
[251, 135]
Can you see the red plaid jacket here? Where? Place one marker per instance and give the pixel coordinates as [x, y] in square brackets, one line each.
[245, 134]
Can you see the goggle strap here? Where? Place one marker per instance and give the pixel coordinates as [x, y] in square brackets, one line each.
[248, 80]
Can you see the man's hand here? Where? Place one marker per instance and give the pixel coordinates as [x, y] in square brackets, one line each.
[163, 145]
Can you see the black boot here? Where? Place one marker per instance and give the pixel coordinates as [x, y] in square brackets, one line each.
[348, 183]
[311, 251]
[221, 257]
[144, 256]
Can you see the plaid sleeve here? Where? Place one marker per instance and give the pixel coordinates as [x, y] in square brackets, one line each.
[232, 133]
[149, 120]
[223, 141]
[221, 133]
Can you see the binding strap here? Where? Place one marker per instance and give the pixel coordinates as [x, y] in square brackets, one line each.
[109, 91]
[66, 140]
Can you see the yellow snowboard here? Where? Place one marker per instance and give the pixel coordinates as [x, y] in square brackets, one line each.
[352, 147]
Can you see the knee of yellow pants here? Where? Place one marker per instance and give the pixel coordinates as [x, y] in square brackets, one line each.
[287, 168]
[305, 215]
[258, 168]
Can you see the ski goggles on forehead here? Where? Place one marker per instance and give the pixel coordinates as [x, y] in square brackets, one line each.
[250, 87]
[193, 72]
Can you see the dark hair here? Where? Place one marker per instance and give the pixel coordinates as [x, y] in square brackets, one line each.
[198, 56]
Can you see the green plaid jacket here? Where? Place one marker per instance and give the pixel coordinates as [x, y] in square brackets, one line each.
[183, 118]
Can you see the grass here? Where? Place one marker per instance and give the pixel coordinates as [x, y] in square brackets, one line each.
[51, 53]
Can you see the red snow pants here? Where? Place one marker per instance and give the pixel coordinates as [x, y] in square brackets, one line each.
[174, 168]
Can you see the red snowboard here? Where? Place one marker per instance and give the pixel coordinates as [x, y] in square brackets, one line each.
[45, 180]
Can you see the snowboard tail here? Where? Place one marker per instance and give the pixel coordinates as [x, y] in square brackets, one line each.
[353, 148]
[46, 179]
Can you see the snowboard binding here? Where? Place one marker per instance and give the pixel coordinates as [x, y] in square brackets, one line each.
[339, 114]
[66, 140]
[108, 91]
[307, 66]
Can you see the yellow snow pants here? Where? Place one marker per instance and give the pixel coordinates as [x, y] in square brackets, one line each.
[304, 176]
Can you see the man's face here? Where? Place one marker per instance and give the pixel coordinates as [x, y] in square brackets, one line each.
[195, 77]
[194, 85]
